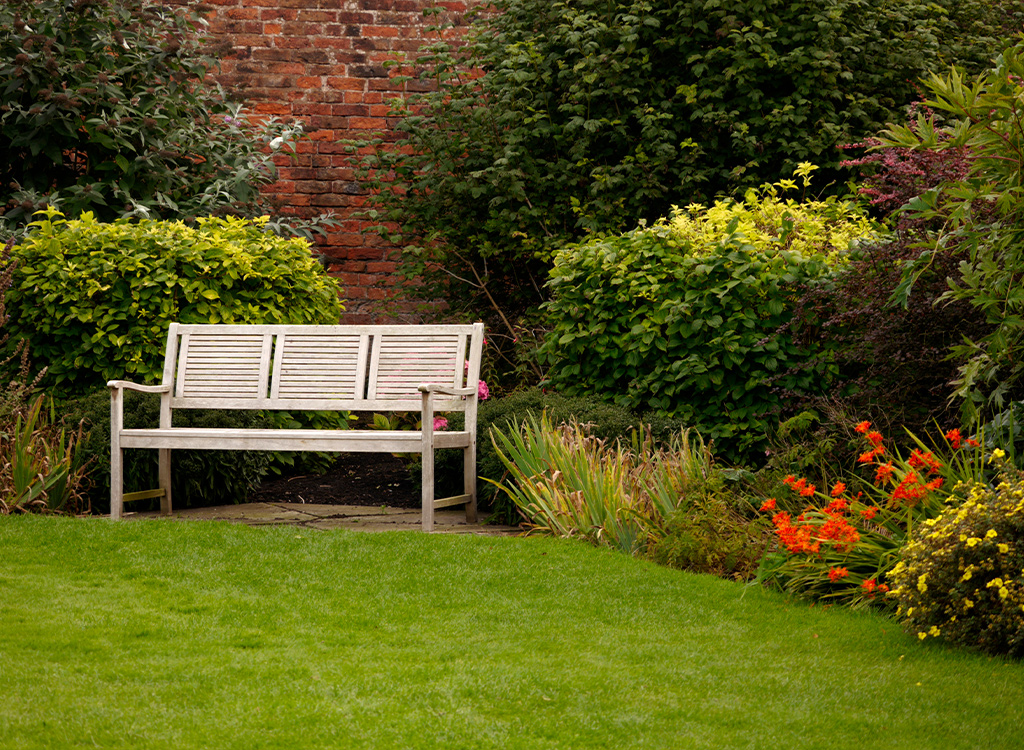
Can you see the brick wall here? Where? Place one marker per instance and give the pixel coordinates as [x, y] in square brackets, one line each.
[321, 61]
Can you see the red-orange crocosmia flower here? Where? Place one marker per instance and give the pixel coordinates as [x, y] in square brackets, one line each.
[883, 473]
[973, 443]
[870, 584]
[863, 427]
[837, 506]
[955, 438]
[875, 438]
[934, 484]
[769, 504]
[869, 513]
[926, 460]
[883, 588]
[839, 489]
[866, 458]
[808, 490]
[834, 574]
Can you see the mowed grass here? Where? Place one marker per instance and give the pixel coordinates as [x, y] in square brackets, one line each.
[157, 634]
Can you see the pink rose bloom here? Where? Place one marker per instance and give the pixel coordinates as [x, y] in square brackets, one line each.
[440, 423]
[481, 391]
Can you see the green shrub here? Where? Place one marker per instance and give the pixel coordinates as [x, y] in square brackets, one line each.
[982, 215]
[198, 478]
[711, 536]
[107, 107]
[961, 575]
[94, 300]
[695, 324]
[550, 120]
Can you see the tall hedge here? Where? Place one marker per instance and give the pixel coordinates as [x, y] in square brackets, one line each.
[94, 299]
[561, 118]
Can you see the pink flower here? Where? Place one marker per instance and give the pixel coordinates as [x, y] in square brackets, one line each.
[440, 423]
[481, 391]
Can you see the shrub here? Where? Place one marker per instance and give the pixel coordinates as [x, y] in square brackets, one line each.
[983, 213]
[961, 575]
[198, 478]
[551, 120]
[711, 536]
[107, 107]
[839, 544]
[697, 324]
[94, 300]
[880, 347]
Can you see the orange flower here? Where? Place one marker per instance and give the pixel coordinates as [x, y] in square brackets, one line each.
[863, 427]
[808, 490]
[875, 438]
[769, 504]
[934, 484]
[973, 443]
[954, 438]
[839, 489]
[866, 458]
[883, 473]
[883, 588]
[869, 585]
[837, 506]
[926, 460]
[834, 574]
[869, 513]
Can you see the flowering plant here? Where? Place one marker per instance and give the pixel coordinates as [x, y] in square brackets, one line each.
[842, 547]
[961, 575]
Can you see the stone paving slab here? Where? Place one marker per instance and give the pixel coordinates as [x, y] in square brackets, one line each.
[314, 516]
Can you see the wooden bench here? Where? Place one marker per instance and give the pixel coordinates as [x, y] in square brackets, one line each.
[425, 369]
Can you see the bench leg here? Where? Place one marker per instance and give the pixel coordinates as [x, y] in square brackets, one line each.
[165, 481]
[427, 499]
[116, 481]
[469, 480]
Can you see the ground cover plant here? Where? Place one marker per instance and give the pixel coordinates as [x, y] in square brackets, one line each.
[164, 634]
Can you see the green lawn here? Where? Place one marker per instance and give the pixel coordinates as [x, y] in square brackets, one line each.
[202, 635]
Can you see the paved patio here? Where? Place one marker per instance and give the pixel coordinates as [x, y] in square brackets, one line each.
[313, 516]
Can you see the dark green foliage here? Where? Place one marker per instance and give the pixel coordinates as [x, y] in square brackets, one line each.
[710, 536]
[95, 300]
[106, 106]
[199, 478]
[699, 336]
[982, 215]
[591, 115]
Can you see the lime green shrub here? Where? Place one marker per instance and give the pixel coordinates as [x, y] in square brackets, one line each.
[690, 318]
[961, 575]
[94, 300]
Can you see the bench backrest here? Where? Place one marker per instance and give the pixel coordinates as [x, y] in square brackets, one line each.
[305, 368]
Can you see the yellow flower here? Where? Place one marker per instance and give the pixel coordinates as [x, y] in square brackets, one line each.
[990, 534]
[1003, 548]
[994, 583]
[921, 585]
[967, 573]
[1004, 592]
[968, 604]
[934, 631]
[997, 455]
[973, 541]
[922, 635]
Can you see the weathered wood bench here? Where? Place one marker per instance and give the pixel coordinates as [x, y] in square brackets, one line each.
[425, 369]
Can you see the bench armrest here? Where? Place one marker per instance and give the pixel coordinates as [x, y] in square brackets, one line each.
[446, 390]
[127, 385]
